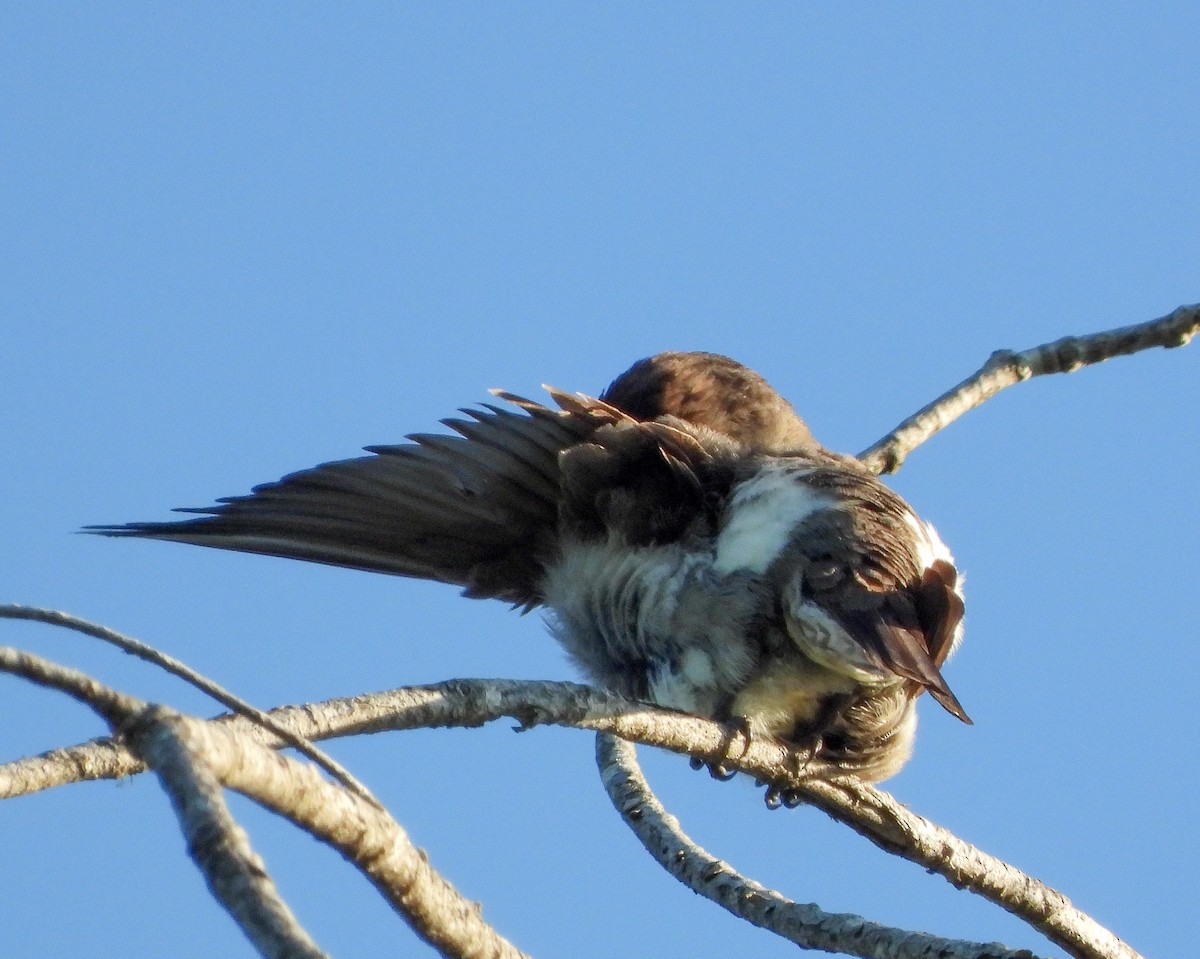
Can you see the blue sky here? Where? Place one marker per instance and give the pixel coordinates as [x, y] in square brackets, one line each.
[241, 239]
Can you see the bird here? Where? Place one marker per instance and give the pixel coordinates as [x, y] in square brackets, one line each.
[690, 541]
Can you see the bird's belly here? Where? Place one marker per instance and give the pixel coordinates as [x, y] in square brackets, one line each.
[654, 623]
[791, 698]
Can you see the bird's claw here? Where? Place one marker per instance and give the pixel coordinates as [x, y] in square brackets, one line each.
[717, 763]
[783, 793]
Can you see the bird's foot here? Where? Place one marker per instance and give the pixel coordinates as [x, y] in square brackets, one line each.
[783, 793]
[717, 763]
[800, 758]
[527, 717]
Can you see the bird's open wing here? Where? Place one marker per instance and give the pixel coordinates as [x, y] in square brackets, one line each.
[478, 509]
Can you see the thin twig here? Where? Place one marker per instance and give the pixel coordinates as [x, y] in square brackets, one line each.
[1006, 368]
[178, 668]
[807, 925]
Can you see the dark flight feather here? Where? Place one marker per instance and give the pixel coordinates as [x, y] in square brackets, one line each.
[477, 510]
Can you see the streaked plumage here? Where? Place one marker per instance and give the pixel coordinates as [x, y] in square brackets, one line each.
[692, 542]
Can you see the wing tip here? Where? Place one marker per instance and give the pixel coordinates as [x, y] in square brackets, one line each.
[161, 530]
[104, 529]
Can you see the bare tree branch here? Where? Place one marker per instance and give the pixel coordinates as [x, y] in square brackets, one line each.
[218, 845]
[1006, 368]
[457, 703]
[867, 810]
[114, 707]
[193, 758]
[875, 814]
[807, 925]
[177, 668]
[363, 833]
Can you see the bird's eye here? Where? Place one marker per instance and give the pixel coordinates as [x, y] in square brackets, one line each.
[822, 574]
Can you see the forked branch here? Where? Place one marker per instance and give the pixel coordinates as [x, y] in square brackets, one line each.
[805, 924]
[194, 759]
[466, 703]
